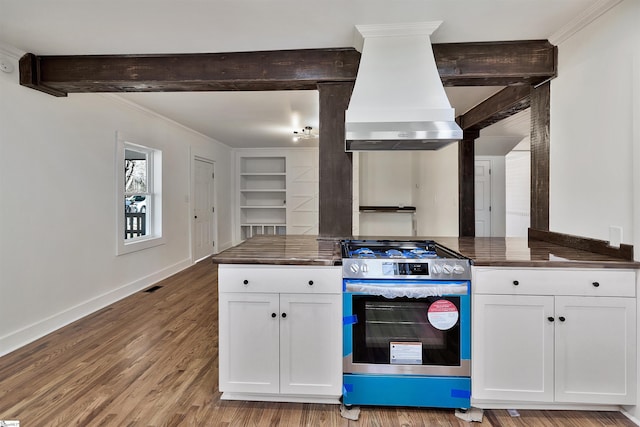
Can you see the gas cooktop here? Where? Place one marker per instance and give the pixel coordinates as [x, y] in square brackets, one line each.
[406, 259]
[409, 249]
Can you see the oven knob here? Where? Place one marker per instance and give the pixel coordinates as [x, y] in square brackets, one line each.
[447, 269]
[436, 269]
[354, 268]
[458, 269]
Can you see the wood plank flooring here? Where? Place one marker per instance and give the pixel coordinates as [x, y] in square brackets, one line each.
[152, 360]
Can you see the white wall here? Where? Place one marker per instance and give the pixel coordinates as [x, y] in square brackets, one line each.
[58, 206]
[427, 180]
[591, 127]
[436, 191]
[386, 179]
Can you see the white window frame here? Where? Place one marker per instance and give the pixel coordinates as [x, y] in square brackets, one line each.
[154, 236]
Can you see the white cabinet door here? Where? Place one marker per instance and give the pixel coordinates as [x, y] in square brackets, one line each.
[595, 350]
[512, 355]
[249, 342]
[311, 344]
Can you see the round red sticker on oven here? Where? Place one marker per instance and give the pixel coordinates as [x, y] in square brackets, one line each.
[443, 314]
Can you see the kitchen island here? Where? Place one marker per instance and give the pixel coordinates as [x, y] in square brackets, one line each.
[552, 327]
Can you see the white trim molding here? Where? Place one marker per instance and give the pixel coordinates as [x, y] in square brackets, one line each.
[579, 22]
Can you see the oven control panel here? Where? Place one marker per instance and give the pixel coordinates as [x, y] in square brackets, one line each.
[434, 269]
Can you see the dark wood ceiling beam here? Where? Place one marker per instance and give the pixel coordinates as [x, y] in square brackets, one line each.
[506, 103]
[459, 64]
[528, 62]
[239, 71]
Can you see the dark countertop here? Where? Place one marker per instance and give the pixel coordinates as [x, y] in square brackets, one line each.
[484, 251]
[283, 250]
[522, 252]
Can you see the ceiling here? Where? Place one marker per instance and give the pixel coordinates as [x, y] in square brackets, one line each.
[268, 119]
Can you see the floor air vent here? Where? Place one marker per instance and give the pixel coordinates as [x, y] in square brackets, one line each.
[152, 289]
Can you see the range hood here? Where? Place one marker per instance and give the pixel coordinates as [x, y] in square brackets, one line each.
[398, 101]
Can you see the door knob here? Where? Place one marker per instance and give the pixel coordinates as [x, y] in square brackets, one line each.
[550, 319]
[284, 315]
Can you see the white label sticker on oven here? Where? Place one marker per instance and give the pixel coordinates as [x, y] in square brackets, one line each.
[406, 353]
[443, 314]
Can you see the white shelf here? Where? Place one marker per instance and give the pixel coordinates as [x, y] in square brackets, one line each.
[262, 201]
[263, 174]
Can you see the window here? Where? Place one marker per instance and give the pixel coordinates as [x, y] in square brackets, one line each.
[139, 201]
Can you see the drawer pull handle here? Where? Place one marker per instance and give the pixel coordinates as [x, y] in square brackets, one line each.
[550, 319]
[516, 283]
[245, 281]
[562, 319]
[596, 284]
[284, 315]
[310, 282]
[273, 315]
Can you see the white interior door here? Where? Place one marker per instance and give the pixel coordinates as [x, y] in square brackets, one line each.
[203, 210]
[483, 197]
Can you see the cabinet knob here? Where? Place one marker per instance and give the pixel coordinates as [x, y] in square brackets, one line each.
[561, 318]
[245, 281]
[284, 315]
[595, 284]
[516, 283]
[310, 282]
[550, 319]
[273, 315]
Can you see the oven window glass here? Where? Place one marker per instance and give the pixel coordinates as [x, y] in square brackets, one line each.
[388, 330]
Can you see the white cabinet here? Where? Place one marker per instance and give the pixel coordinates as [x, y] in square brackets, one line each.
[512, 354]
[249, 343]
[280, 333]
[595, 350]
[558, 337]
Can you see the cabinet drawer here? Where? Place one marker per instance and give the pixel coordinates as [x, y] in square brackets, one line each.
[279, 279]
[552, 281]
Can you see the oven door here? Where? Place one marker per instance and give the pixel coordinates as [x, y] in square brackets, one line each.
[407, 327]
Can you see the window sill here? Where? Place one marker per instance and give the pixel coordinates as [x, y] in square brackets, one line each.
[139, 244]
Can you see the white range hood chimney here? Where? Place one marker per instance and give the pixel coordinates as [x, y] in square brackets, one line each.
[398, 101]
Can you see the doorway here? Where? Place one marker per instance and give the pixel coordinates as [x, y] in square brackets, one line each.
[204, 212]
[482, 180]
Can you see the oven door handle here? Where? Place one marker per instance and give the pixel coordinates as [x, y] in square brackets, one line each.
[411, 291]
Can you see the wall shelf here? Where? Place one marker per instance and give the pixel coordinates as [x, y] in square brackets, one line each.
[262, 198]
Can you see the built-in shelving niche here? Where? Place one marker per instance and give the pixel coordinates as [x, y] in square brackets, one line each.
[263, 191]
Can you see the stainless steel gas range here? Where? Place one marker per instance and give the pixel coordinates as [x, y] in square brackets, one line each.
[407, 338]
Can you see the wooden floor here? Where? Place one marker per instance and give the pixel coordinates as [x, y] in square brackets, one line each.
[152, 360]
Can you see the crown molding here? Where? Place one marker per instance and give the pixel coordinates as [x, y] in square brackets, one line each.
[136, 106]
[11, 51]
[579, 22]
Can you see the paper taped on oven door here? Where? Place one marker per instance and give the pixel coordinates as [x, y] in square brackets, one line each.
[406, 353]
[417, 291]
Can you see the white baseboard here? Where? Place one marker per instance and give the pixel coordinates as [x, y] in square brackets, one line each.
[290, 398]
[28, 334]
[627, 414]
